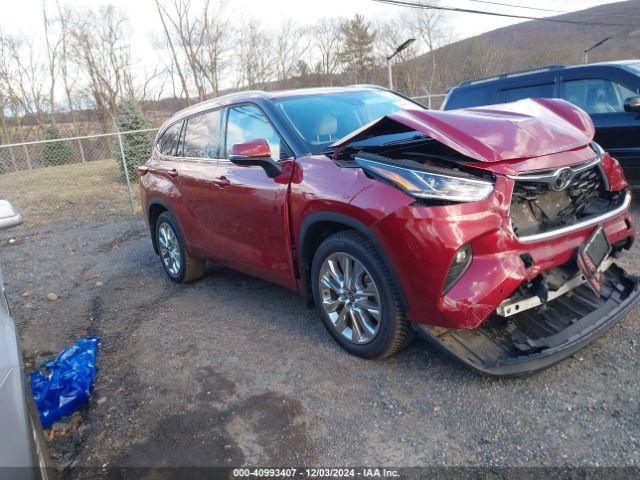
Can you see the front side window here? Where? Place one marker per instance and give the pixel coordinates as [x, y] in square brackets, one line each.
[247, 122]
[596, 95]
[169, 139]
[321, 120]
[540, 91]
[202, 136]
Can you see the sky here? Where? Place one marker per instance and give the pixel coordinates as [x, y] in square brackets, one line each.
[24, 16]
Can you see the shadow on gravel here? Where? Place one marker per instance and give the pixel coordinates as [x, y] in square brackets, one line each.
[264, 427]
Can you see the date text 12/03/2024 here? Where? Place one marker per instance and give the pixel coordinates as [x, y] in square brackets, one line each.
[315, 473]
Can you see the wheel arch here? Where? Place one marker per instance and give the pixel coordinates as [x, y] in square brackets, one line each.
[155, 208]
[320, 225]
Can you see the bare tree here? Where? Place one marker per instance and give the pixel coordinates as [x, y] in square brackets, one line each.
[101, 50]
[197, 39]
[291, 45]
[188, 31]
[5, 130]
[428, 23]
[217, 33]
[23, 76]
[176, 62]
[256, 63]
[327, 45]
[64, 17]
[10, 96]
[53, 52]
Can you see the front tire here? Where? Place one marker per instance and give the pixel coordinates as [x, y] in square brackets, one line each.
[357, 298]
[178, 264]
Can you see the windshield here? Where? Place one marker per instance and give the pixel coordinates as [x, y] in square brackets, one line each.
[321, 120]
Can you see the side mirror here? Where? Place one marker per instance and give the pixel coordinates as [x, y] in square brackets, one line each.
[8, 215]
[255, 153]
[632, 104]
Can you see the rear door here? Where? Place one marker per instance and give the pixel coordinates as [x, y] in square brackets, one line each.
[199, 154]
[172, 169]
[251, 211]
[603, 97]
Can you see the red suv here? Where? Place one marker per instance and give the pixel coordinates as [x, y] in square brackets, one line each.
[489, 231]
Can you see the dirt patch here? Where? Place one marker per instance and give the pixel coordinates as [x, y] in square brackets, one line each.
[269, 427]
[196, 438]
[223, 431]
[214, 387]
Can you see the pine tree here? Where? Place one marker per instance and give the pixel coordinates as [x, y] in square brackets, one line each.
[136, 146]
[55, 153]
[357, 55]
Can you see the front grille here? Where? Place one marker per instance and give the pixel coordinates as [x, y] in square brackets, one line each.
[538, 205]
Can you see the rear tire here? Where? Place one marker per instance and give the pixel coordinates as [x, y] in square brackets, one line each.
[176, 261]
[349, 275]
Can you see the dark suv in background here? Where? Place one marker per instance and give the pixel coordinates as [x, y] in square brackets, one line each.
[609, 92]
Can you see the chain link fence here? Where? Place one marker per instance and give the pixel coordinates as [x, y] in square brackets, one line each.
[78, 178]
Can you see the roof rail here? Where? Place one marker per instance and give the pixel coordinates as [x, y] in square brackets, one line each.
[368, 85]
[512, 74]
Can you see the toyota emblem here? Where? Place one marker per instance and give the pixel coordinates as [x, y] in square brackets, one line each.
[562, 178]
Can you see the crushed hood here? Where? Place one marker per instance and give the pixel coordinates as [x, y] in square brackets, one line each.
[518, 130]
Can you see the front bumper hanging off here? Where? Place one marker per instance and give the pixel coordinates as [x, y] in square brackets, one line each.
[536, 338]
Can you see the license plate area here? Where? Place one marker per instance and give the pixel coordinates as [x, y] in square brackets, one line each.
[591, 256]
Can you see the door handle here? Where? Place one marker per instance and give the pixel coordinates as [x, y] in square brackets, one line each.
[173, 173]
[222, 181]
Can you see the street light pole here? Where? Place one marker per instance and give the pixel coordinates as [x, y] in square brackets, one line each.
[586, 52]
[390, 57]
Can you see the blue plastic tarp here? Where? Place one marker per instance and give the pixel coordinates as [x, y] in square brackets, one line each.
[67, 383]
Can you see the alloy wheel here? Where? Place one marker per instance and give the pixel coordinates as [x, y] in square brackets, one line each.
[169, 249]
[350, 298]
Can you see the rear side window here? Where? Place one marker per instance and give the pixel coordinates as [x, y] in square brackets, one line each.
[596, 95]
[202, 136]
[169, 139]
[470, 97]
[519, 93]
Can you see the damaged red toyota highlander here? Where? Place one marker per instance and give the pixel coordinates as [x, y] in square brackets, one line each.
[491, 232]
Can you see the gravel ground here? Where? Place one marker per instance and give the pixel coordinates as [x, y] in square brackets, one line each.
[233, 370]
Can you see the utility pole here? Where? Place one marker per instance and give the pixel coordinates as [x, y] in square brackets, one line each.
[586, 52]
[390, 57]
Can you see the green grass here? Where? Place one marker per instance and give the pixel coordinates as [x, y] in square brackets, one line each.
[79, 191]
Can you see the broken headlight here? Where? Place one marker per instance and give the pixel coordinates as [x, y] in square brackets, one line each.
[429, 185]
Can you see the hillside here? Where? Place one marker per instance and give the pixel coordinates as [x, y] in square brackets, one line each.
[534, 43]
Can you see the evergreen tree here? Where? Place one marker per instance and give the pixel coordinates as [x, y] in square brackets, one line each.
[136, 146]
[357, 55]
[55, 153]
